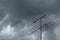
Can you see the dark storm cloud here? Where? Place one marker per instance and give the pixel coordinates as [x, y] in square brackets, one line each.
[19, 10]
[30, 8]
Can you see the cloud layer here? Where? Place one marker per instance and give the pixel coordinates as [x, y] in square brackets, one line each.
[16, 15]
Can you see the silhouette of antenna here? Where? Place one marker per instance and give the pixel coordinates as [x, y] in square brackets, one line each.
[37, 20]
[41, 26]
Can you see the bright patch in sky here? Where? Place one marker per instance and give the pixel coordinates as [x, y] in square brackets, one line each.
[7, 31]
[57, 32]
[31, 37]
[43, 35]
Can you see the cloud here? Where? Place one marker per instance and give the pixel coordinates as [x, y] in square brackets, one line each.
[8, 32]
[57, 32]
[31, 37]
[15, 12]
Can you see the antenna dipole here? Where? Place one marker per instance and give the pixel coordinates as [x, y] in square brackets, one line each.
[39, 27]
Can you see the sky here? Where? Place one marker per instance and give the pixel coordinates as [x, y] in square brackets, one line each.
[17, 15]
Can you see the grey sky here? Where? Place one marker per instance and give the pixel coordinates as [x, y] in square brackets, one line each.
[16, 15]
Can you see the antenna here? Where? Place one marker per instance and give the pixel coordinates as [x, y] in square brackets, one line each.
[39, 27]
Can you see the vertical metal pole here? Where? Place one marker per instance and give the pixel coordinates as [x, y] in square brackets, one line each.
[40, 29]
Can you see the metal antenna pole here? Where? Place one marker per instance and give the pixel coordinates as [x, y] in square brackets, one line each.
[40, 29]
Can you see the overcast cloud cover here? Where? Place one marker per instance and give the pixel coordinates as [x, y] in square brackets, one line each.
[16, 15]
